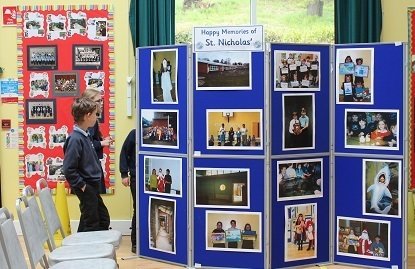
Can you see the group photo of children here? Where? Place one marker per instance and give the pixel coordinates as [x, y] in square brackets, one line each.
[354, 76]
[367, 128]
[163, 175]
[299, 179]
[301, 232]
[159, 128]
[234, 129]
[233, 231]
[297, 70]
[363, 238]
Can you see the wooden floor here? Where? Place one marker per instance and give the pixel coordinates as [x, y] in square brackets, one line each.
[127, 260]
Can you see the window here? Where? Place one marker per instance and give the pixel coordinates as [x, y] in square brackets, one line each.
[284, 21]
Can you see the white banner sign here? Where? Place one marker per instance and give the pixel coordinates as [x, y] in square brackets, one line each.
[247, 38]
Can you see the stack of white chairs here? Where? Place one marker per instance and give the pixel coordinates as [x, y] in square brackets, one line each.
[12, 257]
[54, 225]
[35, 235]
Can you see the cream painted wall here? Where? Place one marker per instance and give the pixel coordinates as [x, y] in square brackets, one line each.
[119, 204]
[395, 20]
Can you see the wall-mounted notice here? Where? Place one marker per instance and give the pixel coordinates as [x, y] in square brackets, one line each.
[249, 38]
[9, 90]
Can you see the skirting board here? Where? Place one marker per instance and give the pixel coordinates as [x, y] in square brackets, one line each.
[121, 225]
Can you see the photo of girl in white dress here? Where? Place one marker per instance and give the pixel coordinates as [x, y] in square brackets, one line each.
[164, 66]
[166, 85]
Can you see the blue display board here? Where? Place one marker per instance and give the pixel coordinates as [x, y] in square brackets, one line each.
[236, 98]
[219, 180]
[300, 90]
[336, 150]
[306, 72]
[353, 211]
[162, 124]
[308, 195]
[162, 94]
[229, 115]
[384, 84]
[369, 150]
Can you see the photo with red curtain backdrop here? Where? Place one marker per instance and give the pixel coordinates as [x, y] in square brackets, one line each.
[62, 50]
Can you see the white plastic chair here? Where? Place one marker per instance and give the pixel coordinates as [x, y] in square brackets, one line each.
[14, 258]
[11, 255]
[35, 236]
[53, 223]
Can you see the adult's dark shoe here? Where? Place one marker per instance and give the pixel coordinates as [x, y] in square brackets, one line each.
[134, 249]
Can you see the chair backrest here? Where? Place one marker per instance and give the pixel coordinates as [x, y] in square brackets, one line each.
[34, 232]
[53, 222]
[29, 200]
[11, 253]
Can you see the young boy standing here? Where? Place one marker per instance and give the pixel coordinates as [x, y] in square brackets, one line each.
[82, 168]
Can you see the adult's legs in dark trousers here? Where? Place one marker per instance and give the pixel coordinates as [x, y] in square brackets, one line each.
[133, 220]
[94, 213]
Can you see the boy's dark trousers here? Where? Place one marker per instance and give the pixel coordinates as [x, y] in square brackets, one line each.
[94, 213]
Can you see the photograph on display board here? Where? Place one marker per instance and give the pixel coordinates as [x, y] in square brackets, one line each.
[162, 224]
[234, 129]
[87, 57]
[39, 84]
[160, 128]
[33, 25]
[54, 166]
[35, 165]
[56, 28]
[164, 68]
[222, 187]
[163, 175]
[234, 231]
[382, 187]
[42, 57]
[354, 76]
[296, 70]
[301, 232]
[299, 179]
[36, 137]
[40, 111]
[95, 80]
[298, 121]
[65, 84]
[76, 23]
[57, 137]
[363, 238]
[371, 129]
[97, 28]
[224, 70]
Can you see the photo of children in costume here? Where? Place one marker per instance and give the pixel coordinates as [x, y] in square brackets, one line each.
[301, 232]
[382, 187]
[363, 238]
[163, 175]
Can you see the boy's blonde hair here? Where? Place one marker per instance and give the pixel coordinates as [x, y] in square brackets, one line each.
[81, 107]
[92, 93]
